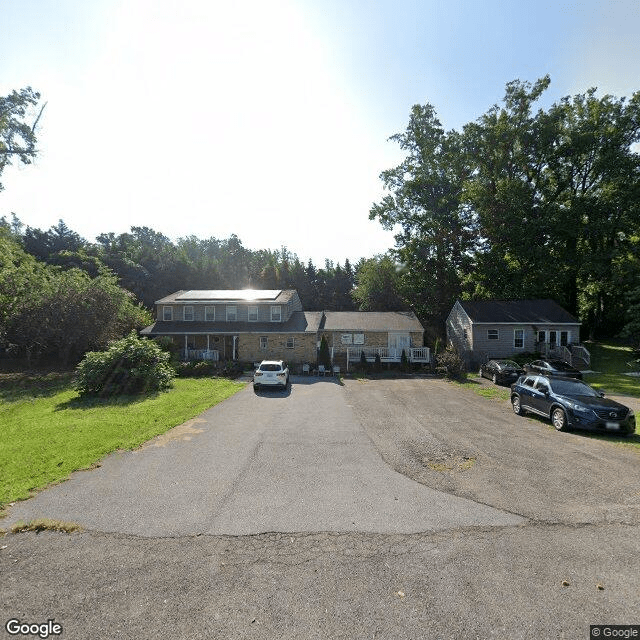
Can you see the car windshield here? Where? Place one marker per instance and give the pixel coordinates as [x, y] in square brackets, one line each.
[571, 388]
[508, 364]
[271, 366]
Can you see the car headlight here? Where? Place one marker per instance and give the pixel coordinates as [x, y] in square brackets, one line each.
[579, 407]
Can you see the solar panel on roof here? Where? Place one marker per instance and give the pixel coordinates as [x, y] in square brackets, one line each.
[230, 294]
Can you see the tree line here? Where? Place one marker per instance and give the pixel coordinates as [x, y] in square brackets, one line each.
[517, 204]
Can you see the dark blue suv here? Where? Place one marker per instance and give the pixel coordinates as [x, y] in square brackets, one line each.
[570, 404]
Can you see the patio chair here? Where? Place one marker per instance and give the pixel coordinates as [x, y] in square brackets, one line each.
[306, 369]
[321, 370]
[336, 370]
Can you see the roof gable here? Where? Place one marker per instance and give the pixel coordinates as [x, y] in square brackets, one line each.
[543, 311]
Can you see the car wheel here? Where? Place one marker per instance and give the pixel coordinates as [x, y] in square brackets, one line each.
[559, 419]
[517, 407]
[494, 379]
[256, 387]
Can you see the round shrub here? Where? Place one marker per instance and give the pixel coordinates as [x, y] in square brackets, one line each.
[129, 366]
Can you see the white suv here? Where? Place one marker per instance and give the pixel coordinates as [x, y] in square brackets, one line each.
[271, 373]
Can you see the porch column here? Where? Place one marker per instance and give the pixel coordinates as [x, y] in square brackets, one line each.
[233, 354]
[208, 343]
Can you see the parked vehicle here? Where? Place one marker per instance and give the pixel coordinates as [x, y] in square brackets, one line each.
[501, 371]
[271, 373]
[553, 368]
[569, 404]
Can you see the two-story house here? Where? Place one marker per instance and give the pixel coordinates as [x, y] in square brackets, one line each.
[253, 325]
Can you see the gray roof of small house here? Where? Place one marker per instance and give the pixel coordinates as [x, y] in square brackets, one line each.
[371, 321]
[219, 296]
[543, 311]
[299, 322]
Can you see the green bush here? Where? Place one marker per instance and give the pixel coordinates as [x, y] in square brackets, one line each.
[377, 363]
[129, 366]
[450, 364]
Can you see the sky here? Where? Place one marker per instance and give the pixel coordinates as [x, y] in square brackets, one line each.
[271, 120]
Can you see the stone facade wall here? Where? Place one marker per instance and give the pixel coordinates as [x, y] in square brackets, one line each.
[304, 349]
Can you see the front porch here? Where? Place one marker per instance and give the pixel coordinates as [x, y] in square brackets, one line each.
[421, 355]
[575, 354]
[207, 347]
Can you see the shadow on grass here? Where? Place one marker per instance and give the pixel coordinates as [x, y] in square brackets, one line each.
[90, 402]
[22, 386]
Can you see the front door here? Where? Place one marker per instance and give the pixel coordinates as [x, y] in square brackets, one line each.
[398, 342]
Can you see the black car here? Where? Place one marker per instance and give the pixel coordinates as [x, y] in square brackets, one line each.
[501, 371]
[553, 368]
[569, 404]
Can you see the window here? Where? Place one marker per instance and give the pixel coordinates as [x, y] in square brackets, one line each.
[542, 336]
[209, 314]
[276, 313]
[358, 338]
[253, 314]
[188, 312]
[291, 343]
[553, 337]
[264, 342]
[167, 313]
[346, 338]
[542, 386]
[564, 338]
[492, 334]
[518, 338]
[232, 313]
[528, 382]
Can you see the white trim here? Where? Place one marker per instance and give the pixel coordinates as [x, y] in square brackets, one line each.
[171, 314]
[279, 308]
[257, 308]
[184, 313]
[497, 334]
[210, 306]
[266, 343]
[235, 311]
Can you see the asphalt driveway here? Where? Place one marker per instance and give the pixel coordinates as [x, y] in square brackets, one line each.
[289, 461]
[397, 509]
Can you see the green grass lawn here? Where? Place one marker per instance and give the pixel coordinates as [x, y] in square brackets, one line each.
[47, 431]
[609, 361]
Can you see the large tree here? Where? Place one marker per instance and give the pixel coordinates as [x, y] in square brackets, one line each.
[435, 228]
[18, 121]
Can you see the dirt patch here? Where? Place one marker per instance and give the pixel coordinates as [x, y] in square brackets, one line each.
[183, 431]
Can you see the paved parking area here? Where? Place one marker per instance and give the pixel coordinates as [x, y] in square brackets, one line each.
[395, 509]
[295, 460]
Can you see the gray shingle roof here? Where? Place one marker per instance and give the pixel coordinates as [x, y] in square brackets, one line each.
[372, 321]
[299, 322]
[517, 311]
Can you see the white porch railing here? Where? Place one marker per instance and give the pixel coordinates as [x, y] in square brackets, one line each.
[568, 353]
[580, 352]
[388, 354]
[200, 354]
